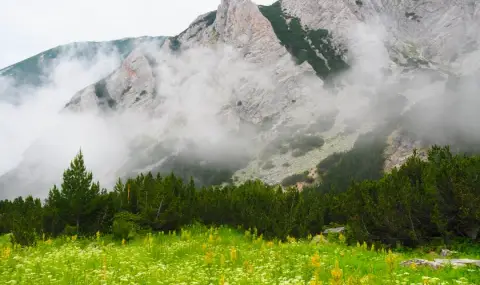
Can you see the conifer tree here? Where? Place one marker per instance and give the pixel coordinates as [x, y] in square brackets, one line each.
[78, 190]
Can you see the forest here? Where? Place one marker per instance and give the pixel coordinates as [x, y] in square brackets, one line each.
[423, 201]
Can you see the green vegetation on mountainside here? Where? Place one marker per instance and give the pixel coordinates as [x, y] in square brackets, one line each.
[197, 255]
[364, 161]
[313, 46]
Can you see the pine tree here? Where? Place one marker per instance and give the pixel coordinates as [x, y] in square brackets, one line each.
[78, 190]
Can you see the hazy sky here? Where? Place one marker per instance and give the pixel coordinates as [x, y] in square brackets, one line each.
[28, 27]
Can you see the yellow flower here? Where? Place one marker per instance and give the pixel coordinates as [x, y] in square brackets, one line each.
[315, 260]
[222, 280]
[6, 252]
[336, 273]
[315, 280]
[123, 242]
[413, 266]
[233, 254]
[209, 258]
[390, 260]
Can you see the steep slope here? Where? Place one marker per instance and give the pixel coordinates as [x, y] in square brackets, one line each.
[31, 71]
[333, 88]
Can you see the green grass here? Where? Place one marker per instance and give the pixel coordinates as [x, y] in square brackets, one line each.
[208, 256]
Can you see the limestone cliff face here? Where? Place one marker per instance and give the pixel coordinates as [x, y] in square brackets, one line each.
[439, 30]
[130, 86]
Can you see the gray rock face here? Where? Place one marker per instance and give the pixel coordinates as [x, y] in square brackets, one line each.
[438, 263]
[438, 30]
[130, 86]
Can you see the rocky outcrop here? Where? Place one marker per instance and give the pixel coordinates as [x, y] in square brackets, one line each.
[399, 148]
[130, 86]
[438, 263]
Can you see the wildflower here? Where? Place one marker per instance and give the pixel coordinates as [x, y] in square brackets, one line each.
[315, 260]
[336, 273]
[247, 267]
[104, 268]
[353, 280]
[270, 244]
[358, 244]
[413, 266]
[233, 254]
[373, 247]
[74, 238]
[341, 238]
[315, 280]
[248, 233]
[222, 280]
[364, 245]
[204, 246]
[209, 258]
[123, 241]
[390, 260]
[365, 279]
[222, 260]
[6, 252]
[98, 235]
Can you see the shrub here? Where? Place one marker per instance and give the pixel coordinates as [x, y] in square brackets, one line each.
[125, 225]
[23, 237]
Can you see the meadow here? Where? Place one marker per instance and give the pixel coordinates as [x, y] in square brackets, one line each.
[200, 255]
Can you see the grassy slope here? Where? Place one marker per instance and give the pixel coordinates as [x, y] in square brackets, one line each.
[204, 256]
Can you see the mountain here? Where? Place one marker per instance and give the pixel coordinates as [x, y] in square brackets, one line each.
[31, 71]
[301, 91]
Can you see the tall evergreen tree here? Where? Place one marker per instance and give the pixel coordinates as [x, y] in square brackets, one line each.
[78, 191]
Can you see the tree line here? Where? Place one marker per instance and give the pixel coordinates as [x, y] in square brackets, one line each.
[422, 200]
